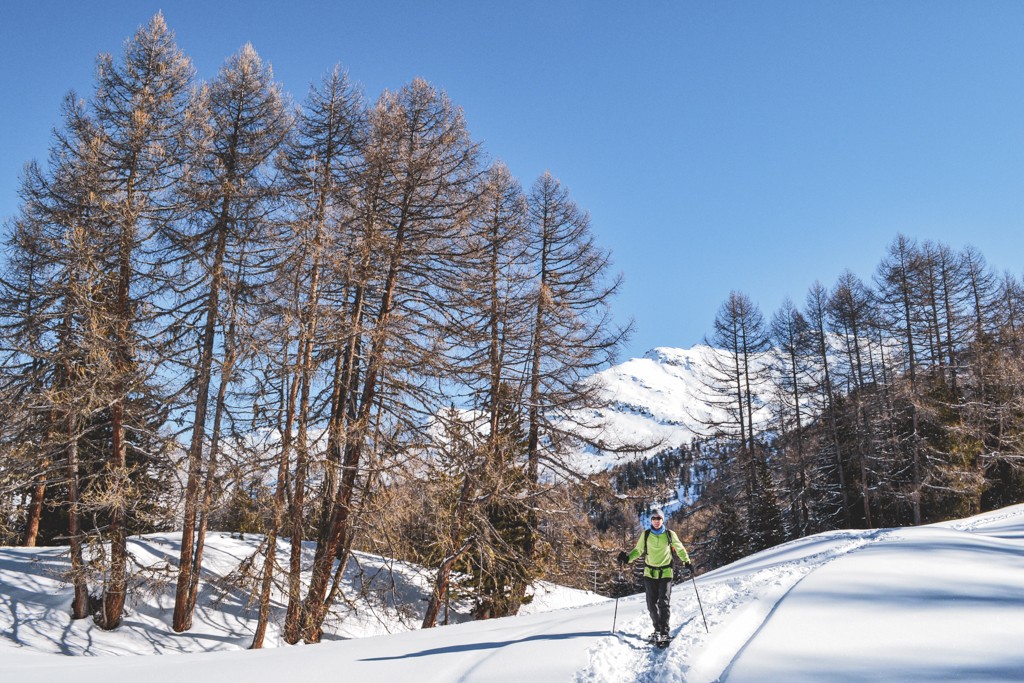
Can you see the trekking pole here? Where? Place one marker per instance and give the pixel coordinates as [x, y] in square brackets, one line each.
[694, 579]
[618, 589]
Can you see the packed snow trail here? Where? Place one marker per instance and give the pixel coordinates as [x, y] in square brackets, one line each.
[938, 603]
[737, 599]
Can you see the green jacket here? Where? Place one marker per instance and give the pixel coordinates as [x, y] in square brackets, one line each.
[659, 553]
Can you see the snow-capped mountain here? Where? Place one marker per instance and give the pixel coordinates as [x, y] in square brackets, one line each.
[660, 401]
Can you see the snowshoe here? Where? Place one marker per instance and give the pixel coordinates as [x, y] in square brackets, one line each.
[653, 638]
[663, 640]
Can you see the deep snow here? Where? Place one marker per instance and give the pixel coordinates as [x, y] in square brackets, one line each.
[933, 603]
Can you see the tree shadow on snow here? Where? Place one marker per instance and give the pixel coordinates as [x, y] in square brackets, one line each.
[470, 647]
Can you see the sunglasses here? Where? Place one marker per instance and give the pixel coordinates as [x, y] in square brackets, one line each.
[655, 519]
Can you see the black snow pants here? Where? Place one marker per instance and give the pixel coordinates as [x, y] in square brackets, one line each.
[658, 593]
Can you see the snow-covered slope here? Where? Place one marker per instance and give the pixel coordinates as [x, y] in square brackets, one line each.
[935, 603]
[380, 597]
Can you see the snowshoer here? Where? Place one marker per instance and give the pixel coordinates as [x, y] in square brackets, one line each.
[658, 543]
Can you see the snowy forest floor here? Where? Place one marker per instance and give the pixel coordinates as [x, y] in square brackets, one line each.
[938, 603]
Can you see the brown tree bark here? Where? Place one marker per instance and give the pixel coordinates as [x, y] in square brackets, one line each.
[35, 510]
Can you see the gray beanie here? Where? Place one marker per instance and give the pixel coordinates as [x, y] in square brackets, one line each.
[657, 512]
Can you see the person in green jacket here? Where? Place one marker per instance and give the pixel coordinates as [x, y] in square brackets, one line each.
[658, 543]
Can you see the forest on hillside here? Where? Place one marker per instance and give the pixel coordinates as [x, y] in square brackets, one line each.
[894, 402]
[336, 322]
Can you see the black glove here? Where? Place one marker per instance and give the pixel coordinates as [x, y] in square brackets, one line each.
[688, 565]
[623, 558]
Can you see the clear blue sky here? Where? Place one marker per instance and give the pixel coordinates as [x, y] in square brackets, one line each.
[718, 145]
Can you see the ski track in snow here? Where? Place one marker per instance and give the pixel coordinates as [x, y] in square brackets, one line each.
[735, 608]
[985, 520]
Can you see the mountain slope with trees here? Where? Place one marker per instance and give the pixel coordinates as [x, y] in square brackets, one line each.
[890, 403]
[342, 323]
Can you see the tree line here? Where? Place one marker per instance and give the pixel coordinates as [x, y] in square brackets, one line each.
[336, 322]
[885, 403]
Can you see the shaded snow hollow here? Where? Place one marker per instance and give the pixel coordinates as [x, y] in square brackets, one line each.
[937, 603]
